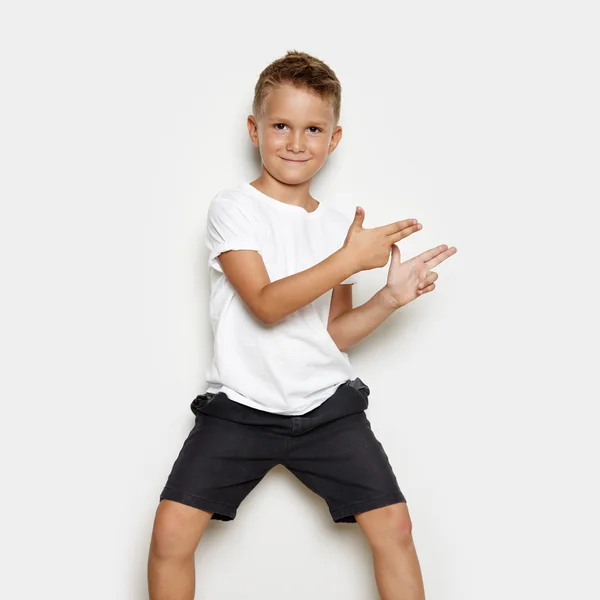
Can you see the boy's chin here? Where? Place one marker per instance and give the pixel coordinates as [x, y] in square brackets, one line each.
[292, 178]
[295, 180]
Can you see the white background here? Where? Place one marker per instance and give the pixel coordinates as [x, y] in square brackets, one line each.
[121, 120]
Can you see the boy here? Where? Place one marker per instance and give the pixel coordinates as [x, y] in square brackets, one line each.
[281, 388]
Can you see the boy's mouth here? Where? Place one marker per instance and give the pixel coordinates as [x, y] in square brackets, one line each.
[290, 160]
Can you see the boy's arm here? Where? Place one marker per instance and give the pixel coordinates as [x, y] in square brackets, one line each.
[273, 301]
[357, 323]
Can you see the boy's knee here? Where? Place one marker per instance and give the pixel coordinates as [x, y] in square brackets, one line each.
[177, 529]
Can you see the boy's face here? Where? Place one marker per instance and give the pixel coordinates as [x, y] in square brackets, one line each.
[298, 125]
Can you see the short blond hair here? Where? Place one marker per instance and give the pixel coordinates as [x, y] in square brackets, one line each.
[301, 70]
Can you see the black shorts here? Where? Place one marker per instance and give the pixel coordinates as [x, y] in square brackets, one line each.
[331, 449]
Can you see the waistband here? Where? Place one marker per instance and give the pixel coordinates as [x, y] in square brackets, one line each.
[202, 400]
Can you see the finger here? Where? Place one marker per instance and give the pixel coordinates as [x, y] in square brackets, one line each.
[435, 256]
[396, 237]
[441, 257]
[393, 228]
[431, 277]
[359, 217]
[429, 288]
[431, 253]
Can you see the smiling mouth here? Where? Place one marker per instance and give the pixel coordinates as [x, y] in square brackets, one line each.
[294, 161]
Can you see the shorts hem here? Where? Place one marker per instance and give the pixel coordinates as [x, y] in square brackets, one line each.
[345, 514]
[221, 512]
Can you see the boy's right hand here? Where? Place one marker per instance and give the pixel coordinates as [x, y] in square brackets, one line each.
[370, 248]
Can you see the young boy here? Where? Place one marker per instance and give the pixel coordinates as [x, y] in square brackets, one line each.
[281, 389]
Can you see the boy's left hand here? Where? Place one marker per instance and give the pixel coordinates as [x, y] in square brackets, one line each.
[410, 279]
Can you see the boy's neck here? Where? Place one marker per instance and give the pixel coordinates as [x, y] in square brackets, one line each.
[297, 195]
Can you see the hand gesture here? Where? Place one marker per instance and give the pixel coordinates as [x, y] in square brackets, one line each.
[370, 248]
[413, 278]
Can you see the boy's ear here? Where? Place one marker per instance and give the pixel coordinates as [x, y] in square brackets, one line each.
[253, 130]
[336, 136]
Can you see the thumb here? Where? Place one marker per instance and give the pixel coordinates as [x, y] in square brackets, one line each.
[395, 252]
[359, 216]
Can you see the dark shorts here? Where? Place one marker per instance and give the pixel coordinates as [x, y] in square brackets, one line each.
[331, 449]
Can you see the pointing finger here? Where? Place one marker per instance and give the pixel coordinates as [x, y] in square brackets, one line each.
[402, 233]
[398, 226]
[437, 255]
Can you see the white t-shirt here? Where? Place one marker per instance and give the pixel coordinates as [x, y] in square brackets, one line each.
[293, 366]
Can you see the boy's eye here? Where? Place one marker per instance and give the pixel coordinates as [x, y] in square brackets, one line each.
[276, 125]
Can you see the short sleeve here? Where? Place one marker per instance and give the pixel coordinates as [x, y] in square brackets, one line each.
[229, 226]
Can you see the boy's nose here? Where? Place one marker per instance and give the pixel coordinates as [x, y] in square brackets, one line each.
[296, 143]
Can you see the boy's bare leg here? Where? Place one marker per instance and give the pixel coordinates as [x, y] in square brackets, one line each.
[397, 570]
[175, 536]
